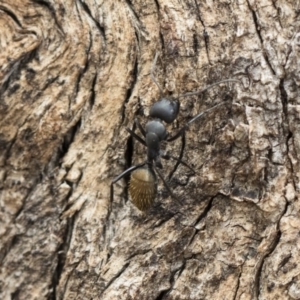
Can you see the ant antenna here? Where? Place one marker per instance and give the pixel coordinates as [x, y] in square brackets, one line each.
[208, 87]
[152, 74]
[186, 126]
[189, 93]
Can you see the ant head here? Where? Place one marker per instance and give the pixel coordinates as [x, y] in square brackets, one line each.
[165, 109]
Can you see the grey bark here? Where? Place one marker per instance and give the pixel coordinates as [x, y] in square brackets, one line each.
[74, 75]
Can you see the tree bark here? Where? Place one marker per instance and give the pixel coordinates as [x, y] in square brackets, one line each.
[74, 75]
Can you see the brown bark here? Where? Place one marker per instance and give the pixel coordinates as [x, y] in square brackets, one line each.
[74, 75]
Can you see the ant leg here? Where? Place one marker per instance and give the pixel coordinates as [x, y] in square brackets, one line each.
[120, 176]
[152, 74]
[180, 155]
[166, 185]
[133, 134]
[186, 126]
[138, 124]
[178, 160]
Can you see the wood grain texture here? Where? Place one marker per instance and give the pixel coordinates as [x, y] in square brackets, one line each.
[74, 75]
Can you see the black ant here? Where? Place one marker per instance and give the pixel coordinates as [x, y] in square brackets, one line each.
[143, 181]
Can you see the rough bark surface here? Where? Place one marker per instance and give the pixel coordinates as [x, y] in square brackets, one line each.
[74, 75]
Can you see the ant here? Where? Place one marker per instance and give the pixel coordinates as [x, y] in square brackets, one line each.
[143, 180]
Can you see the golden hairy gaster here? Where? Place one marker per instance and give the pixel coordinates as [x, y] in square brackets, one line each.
[143, 188]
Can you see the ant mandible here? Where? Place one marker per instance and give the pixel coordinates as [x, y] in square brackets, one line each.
[143, 180]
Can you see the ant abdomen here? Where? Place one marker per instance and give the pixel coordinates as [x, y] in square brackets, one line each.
[143, 188]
